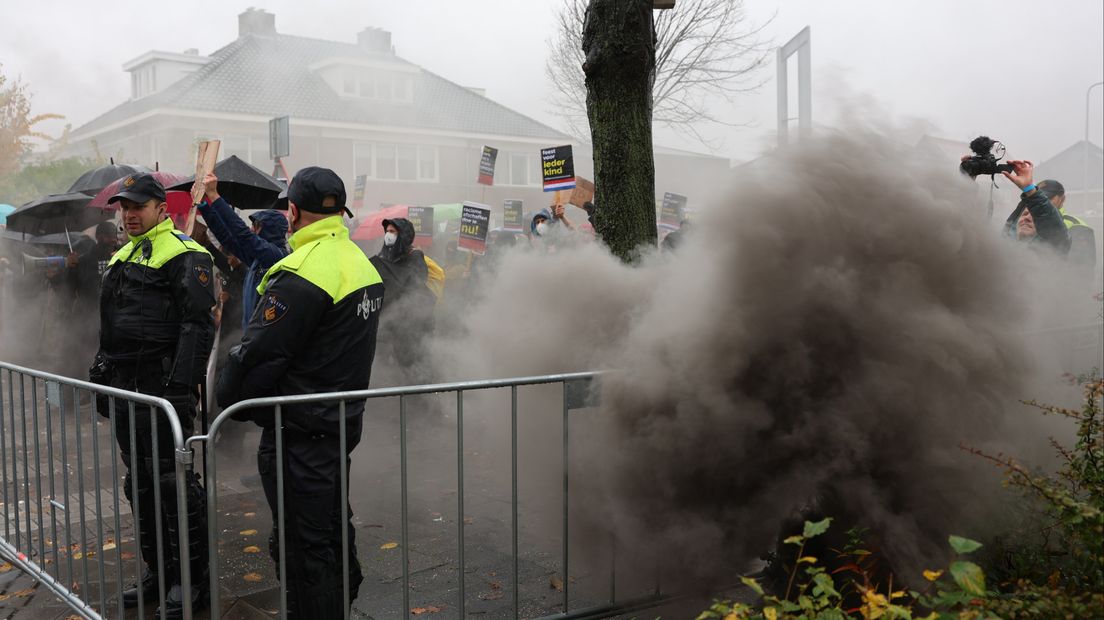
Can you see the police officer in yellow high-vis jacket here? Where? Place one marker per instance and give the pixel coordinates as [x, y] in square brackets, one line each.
[1082, 252]
[313, 330]
[156, 331]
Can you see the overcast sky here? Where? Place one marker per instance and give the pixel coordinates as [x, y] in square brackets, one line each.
[1013, 69]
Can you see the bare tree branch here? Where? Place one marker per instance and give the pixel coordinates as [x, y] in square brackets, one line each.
[704, 49]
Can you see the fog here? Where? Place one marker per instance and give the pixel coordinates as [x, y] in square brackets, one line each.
[1013, 70]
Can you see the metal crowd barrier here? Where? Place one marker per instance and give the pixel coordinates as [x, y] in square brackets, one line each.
[38, 535]
[576, 394]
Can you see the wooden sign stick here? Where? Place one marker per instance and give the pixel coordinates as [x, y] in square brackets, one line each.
[206, 159]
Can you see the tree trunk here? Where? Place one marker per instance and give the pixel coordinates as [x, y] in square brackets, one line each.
[619, 43]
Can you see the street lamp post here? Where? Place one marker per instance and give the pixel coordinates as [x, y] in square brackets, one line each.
[1085, 151]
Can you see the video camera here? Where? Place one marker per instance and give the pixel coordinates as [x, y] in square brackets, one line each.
[987, 152]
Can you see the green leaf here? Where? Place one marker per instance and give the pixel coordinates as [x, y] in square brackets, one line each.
[964, 545]
[824, 585]
[831, 614]
[816, 529]
[969, 577]
[753, 584]
[789, 606]
[794, 540]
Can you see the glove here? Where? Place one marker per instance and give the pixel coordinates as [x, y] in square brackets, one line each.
[100, 373]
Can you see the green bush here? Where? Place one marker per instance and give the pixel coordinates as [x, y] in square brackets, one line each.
[1058, 572]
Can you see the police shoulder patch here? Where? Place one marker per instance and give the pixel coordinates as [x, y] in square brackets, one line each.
[272, 309]
[202, 273]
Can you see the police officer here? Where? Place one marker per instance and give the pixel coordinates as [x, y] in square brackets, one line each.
[156, 331]
[1082, 253]
[313, 330]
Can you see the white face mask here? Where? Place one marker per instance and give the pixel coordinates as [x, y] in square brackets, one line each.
[390, 238]
[542, 229]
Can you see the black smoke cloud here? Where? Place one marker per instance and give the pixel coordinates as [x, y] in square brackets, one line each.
[838, 326]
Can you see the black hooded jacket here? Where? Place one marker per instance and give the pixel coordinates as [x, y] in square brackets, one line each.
[403, 268]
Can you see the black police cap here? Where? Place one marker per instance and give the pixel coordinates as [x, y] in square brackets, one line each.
[312, 185]
[139, 188]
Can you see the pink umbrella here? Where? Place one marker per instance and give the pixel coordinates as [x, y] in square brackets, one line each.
[167, 179]
[372, 226]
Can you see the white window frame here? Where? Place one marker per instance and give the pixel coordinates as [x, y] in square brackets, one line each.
[504, 169]
[373, 150]
[363, 78]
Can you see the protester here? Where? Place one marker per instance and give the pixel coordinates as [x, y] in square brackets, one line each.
[543, 223]
[1036, 221]
[549, 228]
[156, 331]
[85, 274]
[87, 269]
[409, 320]
[259, 248]
[314, 331]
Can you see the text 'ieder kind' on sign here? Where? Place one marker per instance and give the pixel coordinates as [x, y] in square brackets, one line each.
[557, 168]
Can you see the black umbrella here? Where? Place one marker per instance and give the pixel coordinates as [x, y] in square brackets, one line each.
[94, 180]
[56, 213]
[242, 185]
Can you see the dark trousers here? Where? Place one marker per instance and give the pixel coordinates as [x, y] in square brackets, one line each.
[312, 517]
[157, 492]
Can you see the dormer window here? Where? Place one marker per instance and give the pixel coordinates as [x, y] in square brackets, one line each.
[143, 81]
[376, 84]
[372, 79]
[155, 71]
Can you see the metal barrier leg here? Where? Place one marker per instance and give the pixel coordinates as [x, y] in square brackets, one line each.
[80, 489]
[460, 499]
[99, 499]
[346, 603]
[67, 525]
[4, 456]
[15, 461]
[280, 521]
[53, 490]
[212, 524]
[158, 506]
[119, 576]
[404, 500]
[566, 575]
[135, 511]
[38, 472]
[183, 464]
[29, 544]
[514, 496]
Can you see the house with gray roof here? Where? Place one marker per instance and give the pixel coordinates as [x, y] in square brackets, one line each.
[355, 107]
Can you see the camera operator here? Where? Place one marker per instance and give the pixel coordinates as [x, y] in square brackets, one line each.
[1036, 220]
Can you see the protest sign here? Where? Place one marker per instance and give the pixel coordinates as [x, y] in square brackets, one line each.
[672, 210]
[512, 218]
[487, 166]
[583, 192]
[475, 223]
[206, 158]
[358, 192]
[557, 168]
[421, 218]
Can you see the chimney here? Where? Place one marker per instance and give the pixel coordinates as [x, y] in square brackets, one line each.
[375, 40]
[256, 21]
